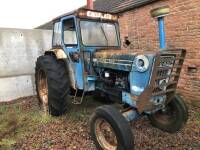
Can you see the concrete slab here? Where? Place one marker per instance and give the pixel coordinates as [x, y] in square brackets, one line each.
[19, 50]
[16, 87]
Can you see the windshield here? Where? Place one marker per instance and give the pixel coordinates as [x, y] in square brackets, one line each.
[98, 34]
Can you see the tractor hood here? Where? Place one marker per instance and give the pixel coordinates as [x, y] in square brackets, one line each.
[115, 54]
[117, 59]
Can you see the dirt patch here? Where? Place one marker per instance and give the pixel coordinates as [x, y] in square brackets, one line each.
[24, 127]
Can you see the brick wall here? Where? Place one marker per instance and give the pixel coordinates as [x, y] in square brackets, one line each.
[182, 31]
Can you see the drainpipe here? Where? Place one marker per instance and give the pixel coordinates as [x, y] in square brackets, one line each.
[90, 4]
[159, 14]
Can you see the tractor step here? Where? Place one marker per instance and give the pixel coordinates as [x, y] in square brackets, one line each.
[77, 100]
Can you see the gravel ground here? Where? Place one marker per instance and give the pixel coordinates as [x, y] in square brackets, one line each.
[71, 131]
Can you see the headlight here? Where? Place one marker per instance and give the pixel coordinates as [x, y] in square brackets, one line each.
[141, 63]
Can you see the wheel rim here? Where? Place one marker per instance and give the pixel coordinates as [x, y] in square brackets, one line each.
[167, 115]
[105, 135]
[43, 89]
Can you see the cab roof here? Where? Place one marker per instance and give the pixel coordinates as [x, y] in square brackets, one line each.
[82, 13]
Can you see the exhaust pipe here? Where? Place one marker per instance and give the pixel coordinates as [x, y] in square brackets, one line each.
[160, 13]
[90, 4]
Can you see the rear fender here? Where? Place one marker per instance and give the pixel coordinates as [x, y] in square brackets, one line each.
[61, 55]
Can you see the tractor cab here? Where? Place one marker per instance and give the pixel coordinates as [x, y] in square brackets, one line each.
[86, 28]
[79, 34]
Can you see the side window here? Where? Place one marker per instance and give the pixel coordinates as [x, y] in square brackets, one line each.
[57, 34]
[69, 32]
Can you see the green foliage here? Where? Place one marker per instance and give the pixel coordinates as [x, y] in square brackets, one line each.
[19, 120]
[3, 108]
[198, 117]
[77, 114]
[16, 124]
[40, 118]
[7, 142]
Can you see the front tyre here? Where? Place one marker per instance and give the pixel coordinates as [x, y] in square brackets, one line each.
[110, 130]
[52, 85]
[172, 118]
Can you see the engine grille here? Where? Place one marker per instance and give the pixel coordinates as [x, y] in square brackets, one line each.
[168, 72]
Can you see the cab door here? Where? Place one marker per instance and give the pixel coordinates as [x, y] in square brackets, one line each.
[71, 47]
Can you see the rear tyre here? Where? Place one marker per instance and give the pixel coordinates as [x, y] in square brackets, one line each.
[172, 118]
[110, 130]
[52, 85]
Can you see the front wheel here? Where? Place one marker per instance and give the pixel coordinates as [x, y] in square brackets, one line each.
[172, 118]
[110, 130]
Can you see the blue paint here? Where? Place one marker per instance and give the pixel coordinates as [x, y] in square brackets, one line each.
[140, 79]
[77, 66]
[131, 115]
[83, 79]
[91, 78]
[91, 83]
[161, 32]
[126, 98]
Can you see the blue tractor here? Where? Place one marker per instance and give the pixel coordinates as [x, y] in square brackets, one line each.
[86, 56]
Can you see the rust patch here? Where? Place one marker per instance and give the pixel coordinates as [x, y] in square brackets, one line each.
[144, 99]
[105, 135]
[59, 53]
[109, 53]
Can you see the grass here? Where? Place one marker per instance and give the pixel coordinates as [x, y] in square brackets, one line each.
[15, 123]
[7, 142]
[18, 120]
[198, 117]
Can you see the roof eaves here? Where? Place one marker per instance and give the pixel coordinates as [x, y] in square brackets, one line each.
[136, 4]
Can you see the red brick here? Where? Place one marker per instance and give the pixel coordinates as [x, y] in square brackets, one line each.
[182, 31]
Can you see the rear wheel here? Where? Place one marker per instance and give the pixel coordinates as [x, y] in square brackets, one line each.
[172, 118]
[110, 130]
[52, 85]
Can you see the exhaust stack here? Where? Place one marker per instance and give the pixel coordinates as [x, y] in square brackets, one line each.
[90, 4]
[160, 13]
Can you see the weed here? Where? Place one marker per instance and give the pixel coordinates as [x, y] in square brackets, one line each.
[7, 144]
[16, 124]
[198, 117]
[39, 117]
[3, 108]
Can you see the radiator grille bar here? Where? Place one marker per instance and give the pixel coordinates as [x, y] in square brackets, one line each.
[168, 72]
